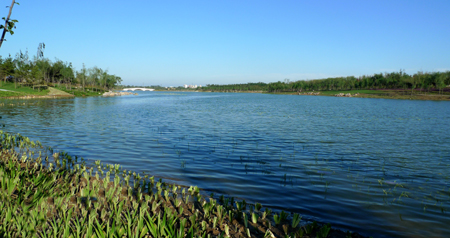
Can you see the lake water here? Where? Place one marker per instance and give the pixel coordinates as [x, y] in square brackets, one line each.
[375, 166]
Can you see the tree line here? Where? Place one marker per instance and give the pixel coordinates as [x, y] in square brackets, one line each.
[39, 71]
[237, 87]
[395, 80]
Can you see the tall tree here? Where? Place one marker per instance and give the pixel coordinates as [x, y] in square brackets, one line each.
[23, 67]
[42, 63]
[82, 74]
[104, 77]
[67, 73]
[94, 76]
[56, 71]
[44, 66]
[440, 84]
[37, 75]
[7, 68]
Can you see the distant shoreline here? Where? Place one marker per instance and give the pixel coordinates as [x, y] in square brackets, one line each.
[38, 97]
[382, 94]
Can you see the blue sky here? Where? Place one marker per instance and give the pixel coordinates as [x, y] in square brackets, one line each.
[171, 43]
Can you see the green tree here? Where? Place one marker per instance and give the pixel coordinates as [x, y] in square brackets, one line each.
[37, 75]
[56, 71]
[94, 76]
[7, 68]
[23, 68]
[82, 75]
[441, 82]
[414, 80]
[44, 66]
[103, 78]
[67, 74]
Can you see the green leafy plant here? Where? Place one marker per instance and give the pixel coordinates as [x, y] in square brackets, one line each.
[266, 213]
[324, 230]
[258, 206]
[296, 220]
[254, 218]
[244, 216]
[277, 219]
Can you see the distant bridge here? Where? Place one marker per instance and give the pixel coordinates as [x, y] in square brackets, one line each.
[138, 89]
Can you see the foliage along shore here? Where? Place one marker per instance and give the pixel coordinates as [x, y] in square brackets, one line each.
[385, 94]
[23, 76]
[9, 91]
[45, 194]
[426, 82]
[397, 85]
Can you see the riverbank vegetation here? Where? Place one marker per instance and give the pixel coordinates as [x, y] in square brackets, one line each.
[418, 83]
[43, 194]
[22, 91]
[32, 76]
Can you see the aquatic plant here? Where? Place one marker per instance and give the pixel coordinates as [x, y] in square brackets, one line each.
[258, 206]
[244, 217]
[254, 218]
[323, 232]
[277, 219]
[73, 200]
[296, 220]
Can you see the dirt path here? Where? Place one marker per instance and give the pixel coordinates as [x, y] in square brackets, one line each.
[57, 92]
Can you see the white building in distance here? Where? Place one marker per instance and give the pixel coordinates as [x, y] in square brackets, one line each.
[192, 86]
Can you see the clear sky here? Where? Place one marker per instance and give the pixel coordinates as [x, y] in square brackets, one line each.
[172, 43]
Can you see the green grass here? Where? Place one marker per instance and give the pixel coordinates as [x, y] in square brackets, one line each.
[282, 93]
[4, 94]
[389, 94]
[78, 92]
[22, 90]
[334, 92]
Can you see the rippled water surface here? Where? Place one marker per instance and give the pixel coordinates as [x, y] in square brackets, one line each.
[375, 166]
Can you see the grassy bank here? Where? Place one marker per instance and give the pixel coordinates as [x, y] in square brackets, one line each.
[10, 90]
[79, 92]
[47, 194]
[19, 91]
[388, 94]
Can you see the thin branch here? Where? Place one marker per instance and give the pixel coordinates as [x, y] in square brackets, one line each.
[5, 29]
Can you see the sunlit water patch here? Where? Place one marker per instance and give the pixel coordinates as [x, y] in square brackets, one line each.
[378, 167]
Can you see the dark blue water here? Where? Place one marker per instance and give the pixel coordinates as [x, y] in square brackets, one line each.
[375, 166]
